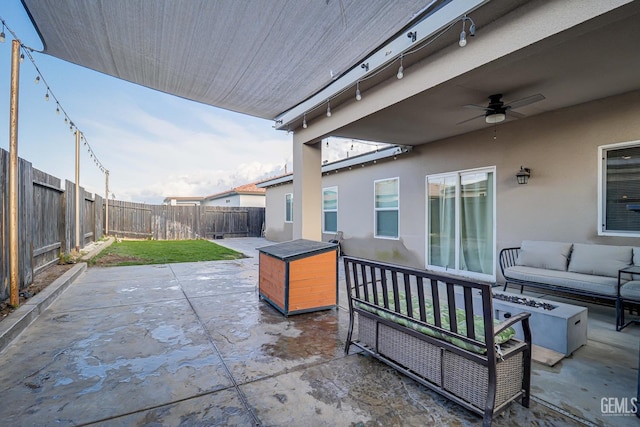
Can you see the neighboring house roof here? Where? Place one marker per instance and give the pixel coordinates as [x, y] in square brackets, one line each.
[247, 189]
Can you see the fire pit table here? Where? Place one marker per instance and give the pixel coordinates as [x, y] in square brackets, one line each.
[554, 325]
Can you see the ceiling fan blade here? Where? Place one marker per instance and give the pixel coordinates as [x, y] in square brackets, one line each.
[476, 107]
[468, 120]
[525, 101]
[515, 114]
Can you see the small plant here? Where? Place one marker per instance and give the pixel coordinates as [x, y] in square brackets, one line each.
[68, 258]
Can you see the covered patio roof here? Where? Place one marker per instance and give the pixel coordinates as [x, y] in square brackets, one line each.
[275, 59]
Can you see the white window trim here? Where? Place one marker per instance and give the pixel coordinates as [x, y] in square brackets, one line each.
[285, 208]
[375, 210]
[456, 270]
[602, 202]
[324, 229]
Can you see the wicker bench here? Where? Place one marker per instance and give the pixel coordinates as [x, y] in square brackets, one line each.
[424, 325]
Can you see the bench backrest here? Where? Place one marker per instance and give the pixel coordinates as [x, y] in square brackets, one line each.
[412, 294]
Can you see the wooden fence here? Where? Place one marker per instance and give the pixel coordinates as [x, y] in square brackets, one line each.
[165, 222]
[46, 221]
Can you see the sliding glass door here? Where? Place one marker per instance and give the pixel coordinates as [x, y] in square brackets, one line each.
[461, 223]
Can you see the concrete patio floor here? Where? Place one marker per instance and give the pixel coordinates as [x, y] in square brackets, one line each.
[192, 344]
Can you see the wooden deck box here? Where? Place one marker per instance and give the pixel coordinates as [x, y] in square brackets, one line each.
[299, 276]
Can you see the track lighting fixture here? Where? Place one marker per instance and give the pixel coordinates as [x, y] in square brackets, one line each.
[366, 66]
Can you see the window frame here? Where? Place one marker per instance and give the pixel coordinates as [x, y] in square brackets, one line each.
[288, 213]
[376, 210]
[457, 228]
[602, 189]
[324, 227]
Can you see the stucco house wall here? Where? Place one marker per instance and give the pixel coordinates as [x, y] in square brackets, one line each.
[560, 202]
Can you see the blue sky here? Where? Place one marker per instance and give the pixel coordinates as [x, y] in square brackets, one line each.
[154, 144]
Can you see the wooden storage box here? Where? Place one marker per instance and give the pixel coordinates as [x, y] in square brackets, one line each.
[299, 276]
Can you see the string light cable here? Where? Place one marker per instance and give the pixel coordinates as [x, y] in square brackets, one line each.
[26, 50]
[400, 58]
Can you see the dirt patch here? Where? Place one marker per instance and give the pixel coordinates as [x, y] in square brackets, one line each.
[115, 259]
[40, 281]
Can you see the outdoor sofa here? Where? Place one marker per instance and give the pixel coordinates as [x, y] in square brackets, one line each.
[576, 269]
[424, 325]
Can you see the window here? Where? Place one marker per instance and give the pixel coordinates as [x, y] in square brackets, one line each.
[288, 207]
[619, 192]
[461, 223]
[330, 210]
[387, 206]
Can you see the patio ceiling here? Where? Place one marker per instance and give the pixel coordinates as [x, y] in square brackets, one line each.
[255, 57]
[596, 59]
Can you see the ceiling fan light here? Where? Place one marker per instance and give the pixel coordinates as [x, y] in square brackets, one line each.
[495, 118]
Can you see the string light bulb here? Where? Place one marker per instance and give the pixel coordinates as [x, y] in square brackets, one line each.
[58, 109]
[21, 57]
[46, 97]
[37, 79]
[463, 37]
[358, 95]
[304, 121]
[3, 37]
[329, 108]
[401, 69]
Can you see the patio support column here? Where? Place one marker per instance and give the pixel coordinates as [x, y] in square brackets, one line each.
[307, 189]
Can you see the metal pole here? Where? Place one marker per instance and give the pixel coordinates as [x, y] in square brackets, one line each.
[106, 205]
[14, 298]
[77, 190]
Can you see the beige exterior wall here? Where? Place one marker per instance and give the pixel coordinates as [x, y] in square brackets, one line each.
[560, 202]
[276, 229]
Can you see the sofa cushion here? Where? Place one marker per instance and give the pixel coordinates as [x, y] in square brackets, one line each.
[599, 285]
[599, 260]
[541, 254]
[478, 322]
[636, 256]
[631, 290]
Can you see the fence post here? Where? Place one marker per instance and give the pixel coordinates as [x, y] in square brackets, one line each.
[14, 299]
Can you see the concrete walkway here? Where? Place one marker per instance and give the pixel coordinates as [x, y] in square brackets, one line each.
[192, 344]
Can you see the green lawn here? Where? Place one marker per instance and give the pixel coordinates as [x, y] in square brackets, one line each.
[141, 252]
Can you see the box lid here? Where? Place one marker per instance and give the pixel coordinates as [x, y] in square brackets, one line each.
[297, 249]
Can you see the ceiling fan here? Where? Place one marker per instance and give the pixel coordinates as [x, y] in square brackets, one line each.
[497, 110]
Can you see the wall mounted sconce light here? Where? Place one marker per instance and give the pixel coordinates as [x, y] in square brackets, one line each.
[523, 175]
